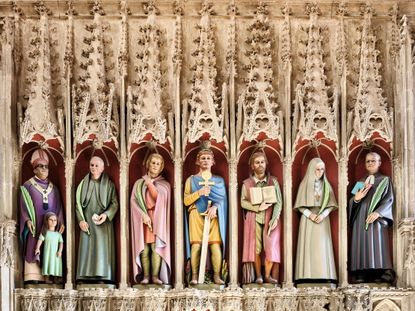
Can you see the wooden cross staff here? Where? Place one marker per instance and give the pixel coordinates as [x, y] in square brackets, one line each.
[206, 228]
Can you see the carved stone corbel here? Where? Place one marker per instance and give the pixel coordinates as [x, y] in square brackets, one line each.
[371, 113]
[315, 104]
[259, 111]
[206, 108]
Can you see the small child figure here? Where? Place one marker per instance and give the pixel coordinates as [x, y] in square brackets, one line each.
[52, 249]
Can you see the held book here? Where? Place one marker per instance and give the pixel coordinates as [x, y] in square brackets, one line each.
[265, 194]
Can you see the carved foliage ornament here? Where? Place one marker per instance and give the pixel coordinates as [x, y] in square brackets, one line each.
[95, 106]
[371, 113]
[39, 117]
[261, 113]
[206, 107]
[315, 104]
[145, 98]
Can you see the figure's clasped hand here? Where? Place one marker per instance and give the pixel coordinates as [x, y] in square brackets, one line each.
[101, 219]
[316, 218]
[372, 217]
[264, 206]
[37, 251]
[204, 191]
[212, 212]
[84, 226]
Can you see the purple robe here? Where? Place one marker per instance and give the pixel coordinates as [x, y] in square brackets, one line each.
[54, 205]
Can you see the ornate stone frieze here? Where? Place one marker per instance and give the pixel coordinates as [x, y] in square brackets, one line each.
[371, 113]
[204, 109]
[41, 114]
[94, 101]
[315, 104]
[7, 235]
[258, 109]
[255, 299]
[95, 299]
[283, 300]
[146, 104]
[232, 299]
[358, 298]
[314, 299]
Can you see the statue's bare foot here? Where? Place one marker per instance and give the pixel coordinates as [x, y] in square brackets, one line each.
[270, 280]
[145, 281]
[217, 279]
[156, 280]
[259, 280]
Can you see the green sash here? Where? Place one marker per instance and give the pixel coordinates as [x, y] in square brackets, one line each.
[376, 197]
[30, 208]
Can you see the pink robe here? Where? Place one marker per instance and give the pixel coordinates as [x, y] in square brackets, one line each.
[272, 245]
[161, 228]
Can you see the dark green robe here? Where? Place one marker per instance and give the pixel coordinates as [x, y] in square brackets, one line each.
[96, 252]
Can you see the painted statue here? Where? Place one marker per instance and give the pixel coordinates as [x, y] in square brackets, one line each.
[370, 211]
[96, 206]
[315, 201]
[150, 224]
[205, 196]
[38, 197]
[52, 249]
[262, 203]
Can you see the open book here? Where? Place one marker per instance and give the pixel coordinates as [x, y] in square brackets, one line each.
[265, 194]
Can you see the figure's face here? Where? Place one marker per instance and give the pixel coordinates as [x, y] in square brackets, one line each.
[206, 161]
[42, 170]
[154, 167]
[96, 166]
[372, 163]
[52, 222]
[319, 170]
[259, 165]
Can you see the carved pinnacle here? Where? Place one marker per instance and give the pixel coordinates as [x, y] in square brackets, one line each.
[71, 10]
[342, 9]
[178, 7]
[97, 8]
[150, 8]
[41, 8]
